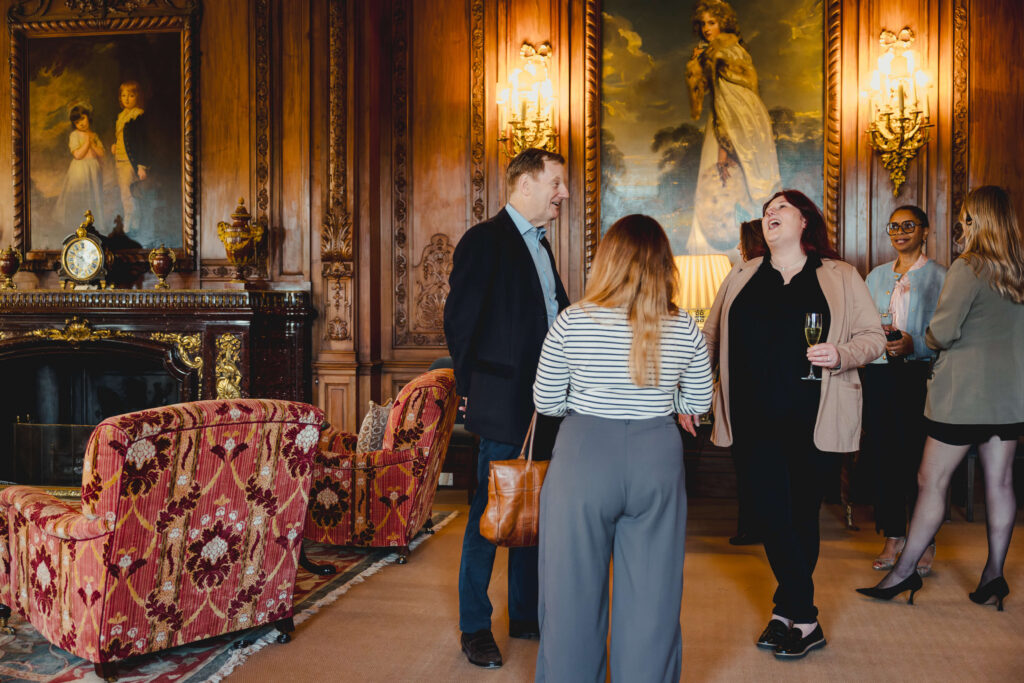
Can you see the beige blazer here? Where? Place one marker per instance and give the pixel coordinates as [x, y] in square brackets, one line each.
[854, 328]
[979, 373]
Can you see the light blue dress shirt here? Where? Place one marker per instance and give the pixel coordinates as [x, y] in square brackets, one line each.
[925, 285]
[532, 235]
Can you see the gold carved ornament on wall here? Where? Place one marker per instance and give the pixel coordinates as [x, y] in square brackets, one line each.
[229, 377]
[189, 347]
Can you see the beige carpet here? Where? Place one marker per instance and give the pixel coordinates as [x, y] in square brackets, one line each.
[402, 624]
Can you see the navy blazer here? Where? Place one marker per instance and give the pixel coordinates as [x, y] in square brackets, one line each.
[495, 322]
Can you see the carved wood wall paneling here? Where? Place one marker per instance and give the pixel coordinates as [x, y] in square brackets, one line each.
[478, 207]
[591, 187]
[833, 108]
[291, 223]
[432, 183]
[961, 101]
[262, 91]
[226, 154]
[336, 252]
[336, 393]
[400, 38]
[996, 95]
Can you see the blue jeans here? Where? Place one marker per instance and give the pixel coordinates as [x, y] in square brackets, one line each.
[478, 557]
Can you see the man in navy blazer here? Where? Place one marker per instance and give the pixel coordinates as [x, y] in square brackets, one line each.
[504, 295]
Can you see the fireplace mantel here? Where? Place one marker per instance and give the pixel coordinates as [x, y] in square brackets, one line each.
[240, 343]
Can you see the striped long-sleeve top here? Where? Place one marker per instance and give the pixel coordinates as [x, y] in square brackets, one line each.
[584, 367]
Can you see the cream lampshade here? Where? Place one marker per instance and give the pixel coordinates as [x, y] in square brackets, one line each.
[700, 276]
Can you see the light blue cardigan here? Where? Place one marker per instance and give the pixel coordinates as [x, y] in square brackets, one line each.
[925, 285]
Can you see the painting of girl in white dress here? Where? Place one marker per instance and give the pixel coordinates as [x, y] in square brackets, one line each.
[707, 108]
[739, 167]
[83, 183]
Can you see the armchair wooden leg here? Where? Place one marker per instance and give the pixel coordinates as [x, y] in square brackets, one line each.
[107, 671]
[285, 626]
[403, 555]
[5, 614]
[312, 568]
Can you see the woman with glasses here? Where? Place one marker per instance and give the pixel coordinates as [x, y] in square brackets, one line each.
[976, 394]
[905, 292]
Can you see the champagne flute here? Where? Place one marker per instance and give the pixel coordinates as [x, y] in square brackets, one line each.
[812, 333]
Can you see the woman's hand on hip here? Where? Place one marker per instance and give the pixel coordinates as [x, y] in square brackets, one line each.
[824, 355]
[689, 423]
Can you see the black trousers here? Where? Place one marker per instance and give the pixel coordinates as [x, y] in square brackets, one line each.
[787, 476]
[894, 434]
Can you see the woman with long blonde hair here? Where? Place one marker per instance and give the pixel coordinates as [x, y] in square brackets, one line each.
[620, 364]
[976, 393]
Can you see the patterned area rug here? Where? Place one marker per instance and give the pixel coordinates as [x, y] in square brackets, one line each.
[27, 656]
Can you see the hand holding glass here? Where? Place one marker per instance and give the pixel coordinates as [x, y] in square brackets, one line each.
[812, 333]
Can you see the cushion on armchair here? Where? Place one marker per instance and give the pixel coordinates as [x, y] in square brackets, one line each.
[371, 432]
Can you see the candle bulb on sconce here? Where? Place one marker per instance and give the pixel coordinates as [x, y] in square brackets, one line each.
[526, 104]
[898, 101]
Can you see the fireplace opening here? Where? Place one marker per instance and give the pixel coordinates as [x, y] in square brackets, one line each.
[57, 394]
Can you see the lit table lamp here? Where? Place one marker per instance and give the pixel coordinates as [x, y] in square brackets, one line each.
[700, 276]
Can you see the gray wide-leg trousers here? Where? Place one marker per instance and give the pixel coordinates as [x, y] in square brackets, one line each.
[614, 489]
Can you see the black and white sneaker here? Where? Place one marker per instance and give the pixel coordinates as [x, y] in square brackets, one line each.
[796, 645]
[773, 635]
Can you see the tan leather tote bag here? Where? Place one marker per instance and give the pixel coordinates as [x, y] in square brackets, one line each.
[512, 515]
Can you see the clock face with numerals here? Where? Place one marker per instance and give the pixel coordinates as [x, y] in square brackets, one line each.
[82, 259]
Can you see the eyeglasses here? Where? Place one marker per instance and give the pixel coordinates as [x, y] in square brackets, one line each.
[906, 227]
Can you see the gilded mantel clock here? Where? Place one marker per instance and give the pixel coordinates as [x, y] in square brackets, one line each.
[83, 259]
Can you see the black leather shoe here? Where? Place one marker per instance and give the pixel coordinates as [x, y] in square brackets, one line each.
[523, 629]
[480, 649]
[795, 645]
[744, 539]
[773, 635]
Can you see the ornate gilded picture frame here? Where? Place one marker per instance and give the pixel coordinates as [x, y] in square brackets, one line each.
[597, 21]
[103, 119]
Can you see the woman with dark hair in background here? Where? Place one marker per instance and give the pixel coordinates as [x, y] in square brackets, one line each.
[751, 239]
[620, 363]
[777, 421]
[976, 393]
[751, 246]
[905, 292]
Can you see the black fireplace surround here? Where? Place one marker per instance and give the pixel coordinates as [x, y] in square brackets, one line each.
[68, 360]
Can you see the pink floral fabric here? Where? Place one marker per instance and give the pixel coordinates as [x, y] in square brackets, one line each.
[383, 497]
[189, 526]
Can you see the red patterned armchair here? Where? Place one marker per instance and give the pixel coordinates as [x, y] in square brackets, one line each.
[383, 498]
[190, 526]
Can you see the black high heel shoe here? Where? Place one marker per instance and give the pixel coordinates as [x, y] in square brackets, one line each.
[913, 583]
[996, 588]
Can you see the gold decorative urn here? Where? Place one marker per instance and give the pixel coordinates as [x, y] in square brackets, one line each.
[161, 262]
[10, 263]
[240, 238]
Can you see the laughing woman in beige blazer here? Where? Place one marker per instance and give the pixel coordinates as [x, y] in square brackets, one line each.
[976, 394]
[777, 421]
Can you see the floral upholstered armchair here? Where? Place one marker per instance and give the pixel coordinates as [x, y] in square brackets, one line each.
[384, 497]
[189, 526]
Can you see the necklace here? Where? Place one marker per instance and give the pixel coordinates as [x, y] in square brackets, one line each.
[802, 260]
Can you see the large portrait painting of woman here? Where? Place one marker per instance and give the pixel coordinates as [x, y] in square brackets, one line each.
[708, 108]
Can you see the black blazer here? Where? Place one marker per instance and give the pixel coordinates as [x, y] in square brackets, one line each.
[495, 323]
